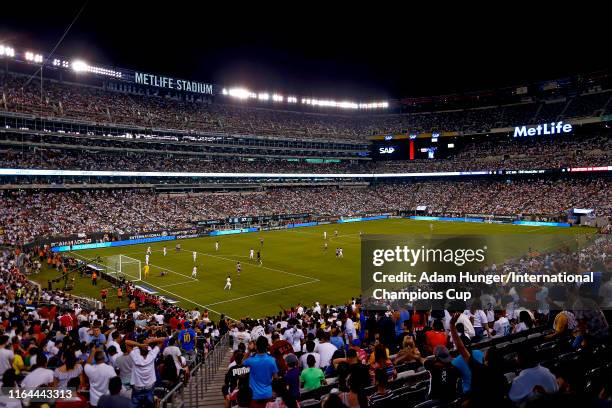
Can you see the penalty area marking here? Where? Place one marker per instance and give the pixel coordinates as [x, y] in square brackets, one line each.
[311, 280]
[192, 279]
[172, 293]
[262, 293]
[172, 284]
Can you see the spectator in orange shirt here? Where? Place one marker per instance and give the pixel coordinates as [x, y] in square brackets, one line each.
[437, 336]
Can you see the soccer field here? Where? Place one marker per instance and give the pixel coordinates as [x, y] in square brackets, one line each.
[295, 266]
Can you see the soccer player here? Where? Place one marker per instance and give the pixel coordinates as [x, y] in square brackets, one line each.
[340, 253]
[146, 259]
[195, 255]
[431, 227]
[165, 251]
[238, 268]
[149, 250]
[178, 247]
[251, 254]
[216, 245]
[261, 242]
[336, 233]
[146, 270]
[325, 246]
[228, 283]
[194, 272]
[324, 234]
[259, 257]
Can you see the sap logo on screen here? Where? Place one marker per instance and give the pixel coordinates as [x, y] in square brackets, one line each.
[386, 150]
[553, 128]
[389, 137]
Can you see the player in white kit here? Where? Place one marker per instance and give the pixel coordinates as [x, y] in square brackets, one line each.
[146, 259]
[194, 272]
[165, 251]
[149, 250]
[228, 283]
[195, 255]
[251, 254]
[324, 234]
[216, 245]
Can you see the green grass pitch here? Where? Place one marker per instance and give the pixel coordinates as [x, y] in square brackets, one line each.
[295, 266]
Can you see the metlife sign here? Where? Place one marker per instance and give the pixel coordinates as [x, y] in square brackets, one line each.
[553, 128]
[173, 83]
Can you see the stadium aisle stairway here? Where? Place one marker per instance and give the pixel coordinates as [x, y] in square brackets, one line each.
[212, 397]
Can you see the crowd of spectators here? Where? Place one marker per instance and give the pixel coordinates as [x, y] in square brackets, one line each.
[28, 214]
[507, 154]
[104, 358]
[529, 346]
[103, 106]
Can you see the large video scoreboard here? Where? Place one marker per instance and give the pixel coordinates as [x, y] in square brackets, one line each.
[410, 149]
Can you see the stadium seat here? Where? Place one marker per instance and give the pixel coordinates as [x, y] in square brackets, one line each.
[331, 380]
[420, 385]
[408, 366]
[410, 397]
[431, 404]
[382, 403]
[310, 403]
[503, 345]
[405, 374]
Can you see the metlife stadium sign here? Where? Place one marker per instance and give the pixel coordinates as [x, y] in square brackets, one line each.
[172, 83]
[553, 128]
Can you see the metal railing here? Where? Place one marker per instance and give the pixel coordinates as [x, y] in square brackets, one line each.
[201, 376]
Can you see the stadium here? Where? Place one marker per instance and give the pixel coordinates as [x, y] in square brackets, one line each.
[169, 240]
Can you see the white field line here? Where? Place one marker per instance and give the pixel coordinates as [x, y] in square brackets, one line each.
[261, 266]
[172, 284]
[262, 293]
[311, 279]
[172, 293]
[189, 300]
[191, 279]
[160, 267]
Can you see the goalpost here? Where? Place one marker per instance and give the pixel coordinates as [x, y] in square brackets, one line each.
[123, 266]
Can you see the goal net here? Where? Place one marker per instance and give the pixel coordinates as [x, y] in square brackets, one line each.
[122, 266]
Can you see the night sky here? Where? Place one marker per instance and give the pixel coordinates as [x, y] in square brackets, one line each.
[320, 50]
